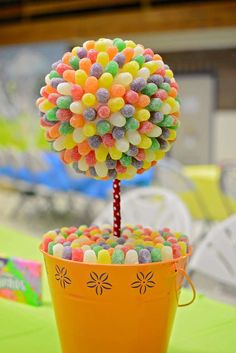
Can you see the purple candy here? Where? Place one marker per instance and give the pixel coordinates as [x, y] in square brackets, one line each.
[54, 65]
[156, 117]
[120, 59]
[102, 95]
[94, 141]
[138, 84]
[118, 132]
[67, 243]
[133, 151]
[144, 256]
[106, 246]
[167, 80]
[165, 133]
[166, 67]
[92, 171]
[67, 253]
[163, 143]
[121, 240]
[55, 82]
[110, 163]
[89, 114]
[148, 57]
[157, 79]
[137, 164]
[82, 53]
[96, 70]
[112, 173]
[128, 110]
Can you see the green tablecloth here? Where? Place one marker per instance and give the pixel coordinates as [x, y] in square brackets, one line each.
[204, 327]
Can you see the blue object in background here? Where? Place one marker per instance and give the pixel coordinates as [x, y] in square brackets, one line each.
[56, 177]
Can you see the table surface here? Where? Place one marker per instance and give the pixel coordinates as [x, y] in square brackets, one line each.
[204, 327]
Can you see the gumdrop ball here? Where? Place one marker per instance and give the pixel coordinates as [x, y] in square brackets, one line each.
[110, 108]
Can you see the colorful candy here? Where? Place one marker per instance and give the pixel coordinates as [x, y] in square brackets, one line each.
[95, 244]
[110, 100]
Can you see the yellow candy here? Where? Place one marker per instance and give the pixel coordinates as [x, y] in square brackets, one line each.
[47, 79]
[131, 171]
[142, 114]
[159, 245]
[89, 129]
[172, 135]
[124, 78]
[77, 107]
[80, 77]
[105, 80]
[159, 155]
[132, 67]
[78, 135]
[82, 164]
[149, 155]
[75, 244]
[75, 51]
[146, 165]
[169, 73]
[104, 257]
[166, 109]
[173, 104]
[100, 45]
[69, 142]
[116, 104]
[130, 44]
[183, 247]
[103, 58]
[114, 153]
[101, 153]
[152, 66]
[89, 99]
[101, 169]
[82, 228]
[45, 106]
[145, 143]
[58, 144]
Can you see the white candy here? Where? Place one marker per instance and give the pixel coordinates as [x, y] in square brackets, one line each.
[155, 132]
[101, 169]
[83, 165]
[133, 137]
[144, 73]
[117, 119]
[131, 257]
[90, 257]
[166, 252]
[78, 135]
[58, 144]
[77, 107]
[122, 145]
[58, 250]
[64, 88]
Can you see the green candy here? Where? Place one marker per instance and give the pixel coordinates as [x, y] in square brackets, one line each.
[79, 233]
[156, 255]
[74, 62]
[50, 247]
[64, 102]
[149, 89]
[51, 114]
[140, 60]
[118, 256]
[66, 128]
[97, 248]
[155, 145]
[103, 127]
[175, 127]
[165, 86]
[154, 105]
[54, 74]
[132, 124]
[119, 43]
[167, 243]
[167, 121]
[112, 68]
[125, 160]
[113, 245]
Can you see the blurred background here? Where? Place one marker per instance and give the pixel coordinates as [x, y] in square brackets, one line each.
[197, 39]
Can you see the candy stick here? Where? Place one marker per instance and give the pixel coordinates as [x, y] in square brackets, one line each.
[116, 207]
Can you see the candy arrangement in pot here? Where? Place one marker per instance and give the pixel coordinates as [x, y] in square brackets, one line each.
[94, 244]
[110, 108]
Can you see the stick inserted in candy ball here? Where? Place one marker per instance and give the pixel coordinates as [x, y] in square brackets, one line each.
[116, 207]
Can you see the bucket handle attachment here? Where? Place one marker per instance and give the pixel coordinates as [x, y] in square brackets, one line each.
[191, 285]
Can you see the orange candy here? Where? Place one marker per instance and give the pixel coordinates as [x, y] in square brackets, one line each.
[112, 51]
[69, 76]
[50, 89]
[143, 100]
[85, 64]
[91, 85]
[89, 44]
[129, 53]
[77, 121]
[156, 57]
[66, 58]
[173, 92]
[117, 90]
[40, 100]
[67, 156]
[54, 130]
[84, 148]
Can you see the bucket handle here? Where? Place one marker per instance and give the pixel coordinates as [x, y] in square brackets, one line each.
[191, 285]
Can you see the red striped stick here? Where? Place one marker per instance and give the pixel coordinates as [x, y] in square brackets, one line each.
[116, 207]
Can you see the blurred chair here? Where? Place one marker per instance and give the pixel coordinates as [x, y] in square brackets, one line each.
[228, 185]
[215, 258]
[150, 206]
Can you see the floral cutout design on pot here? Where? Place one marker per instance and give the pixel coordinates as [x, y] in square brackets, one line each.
[144, 282]
[99, 282]
[61, 276]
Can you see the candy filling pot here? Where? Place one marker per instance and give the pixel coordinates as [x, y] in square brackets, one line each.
[115, 308]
